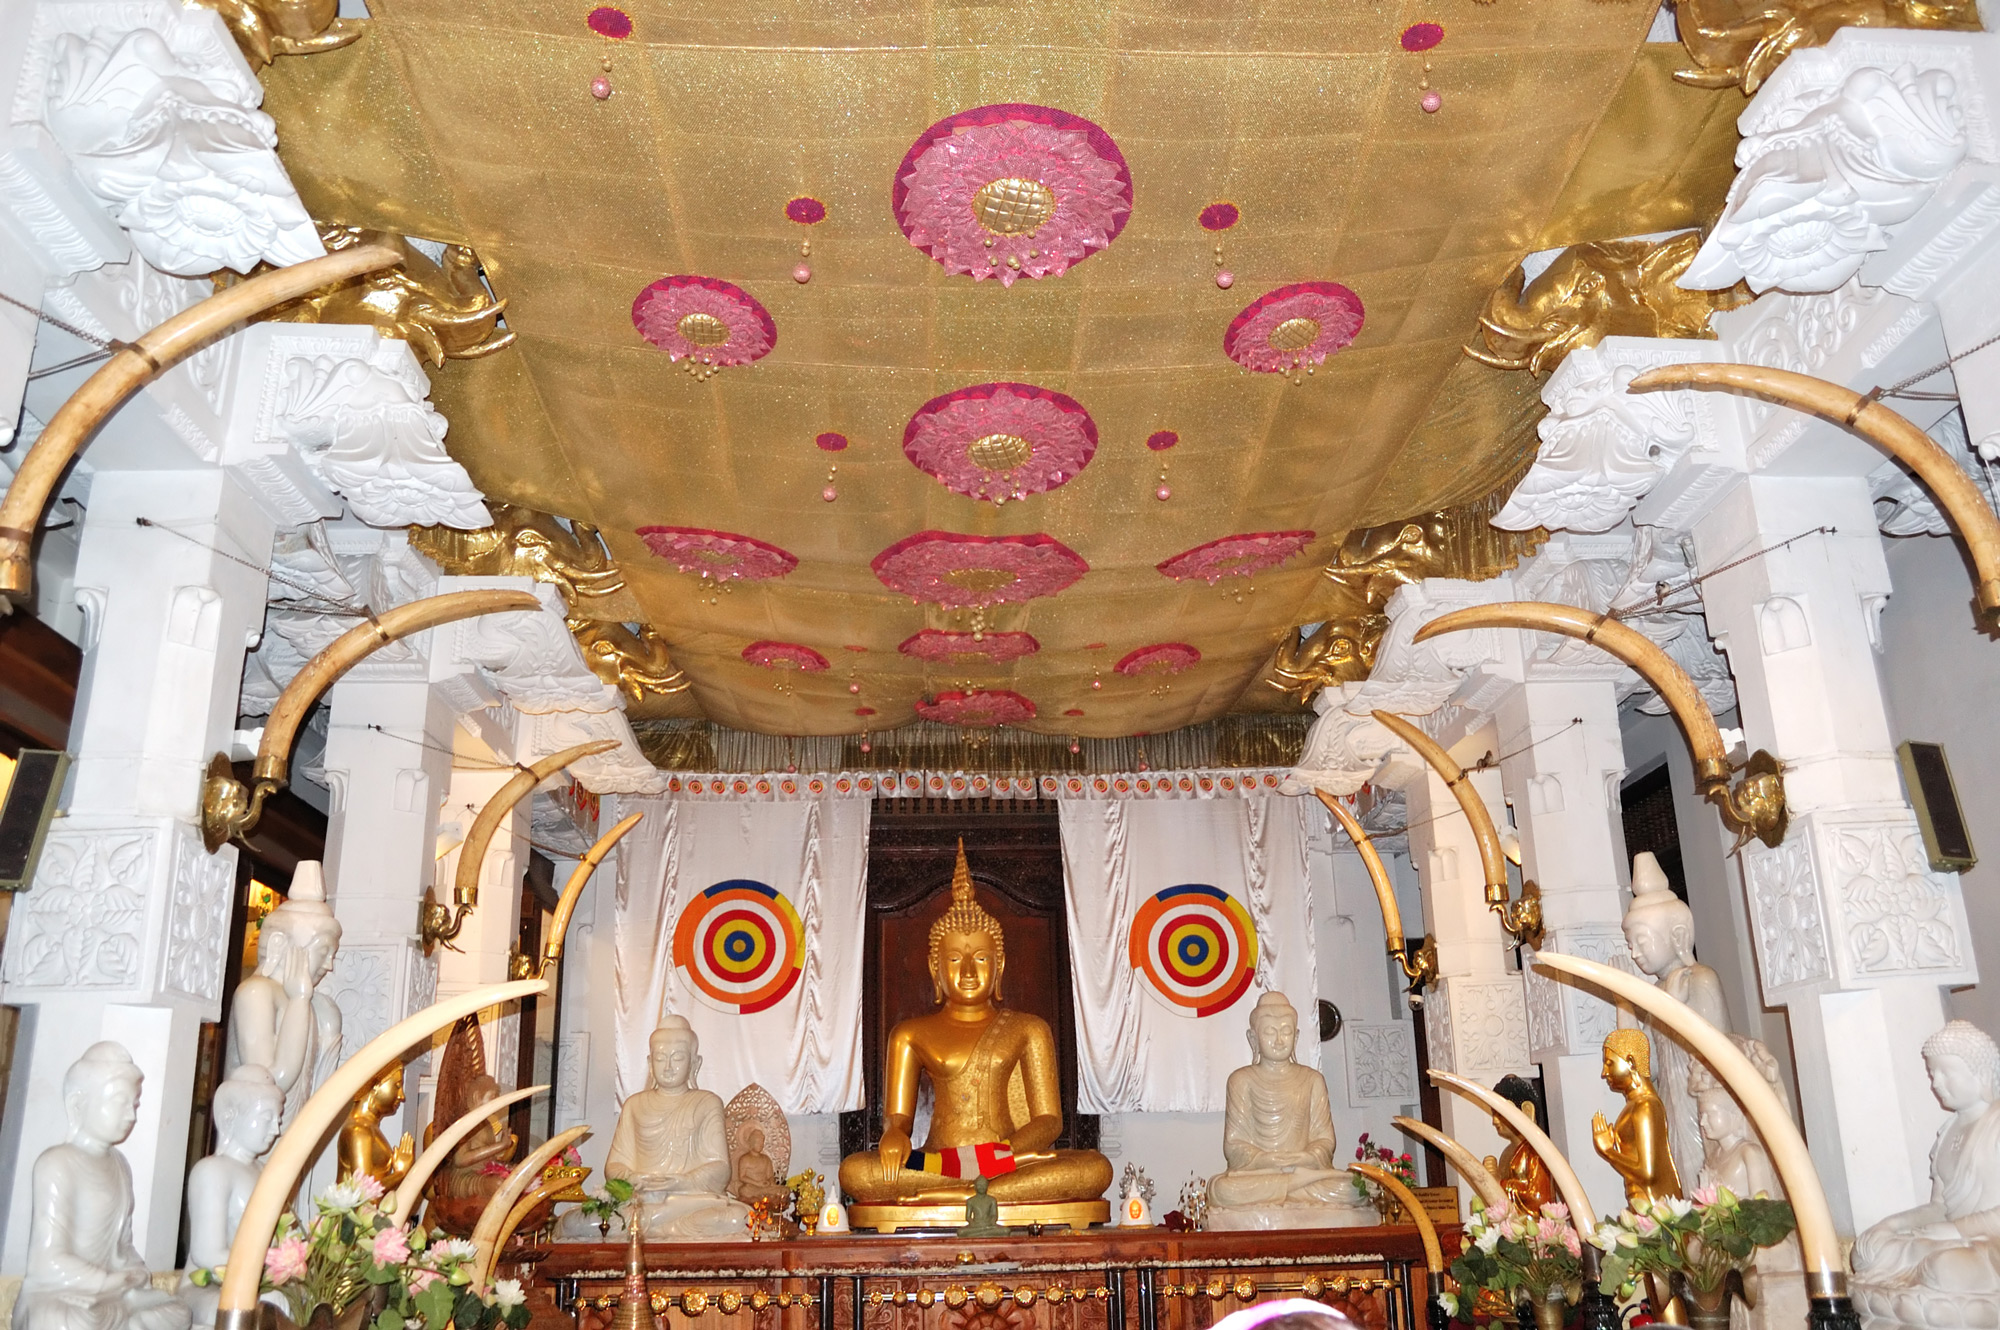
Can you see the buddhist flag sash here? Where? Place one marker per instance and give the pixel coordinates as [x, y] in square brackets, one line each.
[990, 1160]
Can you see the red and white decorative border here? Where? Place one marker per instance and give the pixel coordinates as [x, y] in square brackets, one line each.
[1204, 783]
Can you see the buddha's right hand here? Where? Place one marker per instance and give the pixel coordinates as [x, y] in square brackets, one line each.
[895, 1149]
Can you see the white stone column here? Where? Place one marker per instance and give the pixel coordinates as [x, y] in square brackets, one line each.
[123, 934]
[478, 955]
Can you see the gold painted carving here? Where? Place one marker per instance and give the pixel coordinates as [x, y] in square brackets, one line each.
[266, 29]
[1373, 564]
[703, 329]
[636, 663]
[1736, 44]
[999, 452]
[1012, 206]
[1621, 288]
[443, 310]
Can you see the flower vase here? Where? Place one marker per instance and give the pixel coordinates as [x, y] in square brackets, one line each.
[1707, 1309]
[1551, 1309]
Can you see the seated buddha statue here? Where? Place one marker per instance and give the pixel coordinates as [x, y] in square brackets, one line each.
[997, 1099]
[1519, 1167]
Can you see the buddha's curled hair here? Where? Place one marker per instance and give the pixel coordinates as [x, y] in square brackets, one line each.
[966, 916]
[1633, 1046]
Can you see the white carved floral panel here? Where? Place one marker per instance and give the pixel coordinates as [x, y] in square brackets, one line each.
[204, 889]
[83, 923]
[1785, 912]
[1488, 1027]
[1381, 1062]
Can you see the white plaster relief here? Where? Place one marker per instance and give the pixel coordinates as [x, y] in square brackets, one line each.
[70, 230]
[83, 925]
[572, 1073]
[1901, 917]
[1381, 1062]
[1785, 908]
[1489, 1026]
[1904, 507]
[1438, 1041]
[204, 888]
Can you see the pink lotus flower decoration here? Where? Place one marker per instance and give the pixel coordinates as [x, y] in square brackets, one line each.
[1012, 190]
[1235, 556]
[981, 706]
[716, 322]
[785, 656]
[959, 572]
[1160, 658]
[717, 554]
[1000, 441]
[1300, 324]
[948, 648]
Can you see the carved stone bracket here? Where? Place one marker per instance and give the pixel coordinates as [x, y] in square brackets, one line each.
[376, 984]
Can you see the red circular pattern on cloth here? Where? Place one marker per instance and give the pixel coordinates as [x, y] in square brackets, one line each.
[658, 312]
[785, 656]
[1335, 309]
[949, 648]
[1422, 36]
[606, 21]
[1220, 216]
[806, 211]
[960, 572]
[1160, 658]
[1162, 439]
[1072, 160]
[717, 554]
[1061, 439]
[830, 442]
[981, 706]
[1235, 556]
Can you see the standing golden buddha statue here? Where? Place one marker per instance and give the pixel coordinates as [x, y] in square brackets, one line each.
[1637, 1145]
[996, 1093]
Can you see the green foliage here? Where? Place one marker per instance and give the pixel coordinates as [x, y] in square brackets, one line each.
[1703, 1239]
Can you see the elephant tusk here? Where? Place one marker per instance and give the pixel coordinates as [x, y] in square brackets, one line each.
[486, 1235]
[573, 891]
[1491, 1190]
[1385, 896]
[1426, 1229]
[1571, 1187]
[404, 1202]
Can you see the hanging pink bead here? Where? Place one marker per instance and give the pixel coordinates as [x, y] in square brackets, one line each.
[1431, 102]
[1163, 494]
[854, 688]
[600, 87]
[1225, 279]
[802, 274]
[829, 494]
[867, 747]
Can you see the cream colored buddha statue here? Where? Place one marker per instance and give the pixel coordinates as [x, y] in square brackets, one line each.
[279, 1018]
[671, 1146]
[1938, 1264]
[246, 1109]
[1277, 1137]
[1734, 1158]
[1659, 930]
[755, 1177]
[1638, 1144]
[994, 1082]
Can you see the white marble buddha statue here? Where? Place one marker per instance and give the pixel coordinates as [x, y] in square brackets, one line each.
[279, 1019]
[1932, 1265]
[670, 1144]
[1659, 931]
[83, 1272]
[1277, 1138]
[1734, 1158]
[246, 1110]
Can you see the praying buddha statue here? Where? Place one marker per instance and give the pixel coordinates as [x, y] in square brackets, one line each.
[1637, 1144]
[998, 1102]
[1659, 932]
[1520, 1167]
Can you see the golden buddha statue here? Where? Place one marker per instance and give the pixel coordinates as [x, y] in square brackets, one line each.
[1519, 1167]
[1637, 1145]
[362, 1147]
[996, 1095]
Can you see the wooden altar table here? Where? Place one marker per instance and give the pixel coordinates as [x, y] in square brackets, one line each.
[1103, 1279]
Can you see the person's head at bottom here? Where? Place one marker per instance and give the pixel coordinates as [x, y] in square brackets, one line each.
[1286, 1314]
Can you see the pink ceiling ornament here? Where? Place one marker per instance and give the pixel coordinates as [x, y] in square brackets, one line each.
[1160, 658]
[1235, 556]
[786, 656]
[717, 554]
[1000, 441]
[1300, 324]
[981, 706]
[964, 572]
[1012, 190]
[941, 647]
[705, 322]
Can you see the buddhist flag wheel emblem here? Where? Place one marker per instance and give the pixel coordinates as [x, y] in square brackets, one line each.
[1196, 946]
[741, 945]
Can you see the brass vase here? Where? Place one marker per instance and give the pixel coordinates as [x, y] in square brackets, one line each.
[1551, 1310]
[1708, 1309]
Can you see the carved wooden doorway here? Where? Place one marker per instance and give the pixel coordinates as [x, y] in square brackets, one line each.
[1014, 849]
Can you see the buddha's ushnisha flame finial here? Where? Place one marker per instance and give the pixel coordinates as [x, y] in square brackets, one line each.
[961, 878]
[965, 915]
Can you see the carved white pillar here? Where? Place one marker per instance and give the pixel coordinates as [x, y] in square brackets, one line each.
[490, 929]
[123, 933]
[1855, 934]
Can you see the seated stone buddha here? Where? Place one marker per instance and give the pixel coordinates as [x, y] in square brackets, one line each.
[994, 1082]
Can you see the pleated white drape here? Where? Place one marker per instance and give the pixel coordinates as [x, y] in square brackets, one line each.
[805, 1049]
[1135, 1052]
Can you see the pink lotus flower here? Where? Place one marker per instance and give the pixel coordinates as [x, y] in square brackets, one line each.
[710, 320]
[1703, 1196]
[1646, 1225]
[421, 1279]
[1556, 1210]
[286, 1260]
[371, 1189]
[391, 1246]
[1572, 1243]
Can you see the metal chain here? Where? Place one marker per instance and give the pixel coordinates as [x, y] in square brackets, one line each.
[113, 344]
[1897, 389]
[313, 594]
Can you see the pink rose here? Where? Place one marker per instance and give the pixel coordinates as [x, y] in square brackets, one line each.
[286, 1260]
[1571, 1242]
[391, 1246]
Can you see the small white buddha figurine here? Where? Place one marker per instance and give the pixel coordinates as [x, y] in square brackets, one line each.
[83, 1272]
[246, 1110]
[1277, 1137]
[1932, 1265]
[1734, 1158]
[1659, 930]
[279, 1019]
[670, 1144]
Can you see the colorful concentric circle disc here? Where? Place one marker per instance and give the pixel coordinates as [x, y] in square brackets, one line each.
[1196, 946]
[741, 945]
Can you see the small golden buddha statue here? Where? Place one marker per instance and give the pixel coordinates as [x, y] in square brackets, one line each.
[993, 1074]
[1637, 1146]
[1519, 1168]
[362, 1147]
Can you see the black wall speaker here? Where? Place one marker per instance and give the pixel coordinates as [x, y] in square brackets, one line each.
[24, 817]
[1927, 779]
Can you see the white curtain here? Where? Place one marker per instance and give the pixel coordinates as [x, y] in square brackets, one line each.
[1137, 1052]
[806, 1047]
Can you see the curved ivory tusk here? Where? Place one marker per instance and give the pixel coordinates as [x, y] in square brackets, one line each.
[1433, 1254]
[486, 1235]
[1826, 1273]
[1953, 489]
[537, 1194]
[132, 367]
[1491, 1190]
[1490, 857]
[573, 892]
[472, 854]
[1385, 895]
[405, 1200]
[300, 1142]
[1571, 1187]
